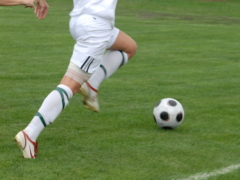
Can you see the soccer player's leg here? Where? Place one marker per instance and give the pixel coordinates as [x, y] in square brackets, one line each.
[81, 76]
[125, 43]
[91, 43]
[121, 48]
[51, 107]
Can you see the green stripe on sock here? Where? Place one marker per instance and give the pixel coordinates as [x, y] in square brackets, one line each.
[41, 118]
[123, 59]
[104, 70]
[61, 91]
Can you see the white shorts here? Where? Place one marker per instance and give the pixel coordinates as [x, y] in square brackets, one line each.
[93, 35]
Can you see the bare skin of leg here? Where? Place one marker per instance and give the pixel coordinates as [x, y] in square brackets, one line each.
[123, 42]
[72, 84]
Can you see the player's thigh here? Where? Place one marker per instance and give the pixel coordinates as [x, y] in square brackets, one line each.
[124, 43]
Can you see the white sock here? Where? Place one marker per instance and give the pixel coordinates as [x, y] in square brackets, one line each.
[111, 62]
[51, 107]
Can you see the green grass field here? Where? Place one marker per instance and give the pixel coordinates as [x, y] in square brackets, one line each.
[187, 50]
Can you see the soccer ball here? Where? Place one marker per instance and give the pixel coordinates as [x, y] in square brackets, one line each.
[168, 113]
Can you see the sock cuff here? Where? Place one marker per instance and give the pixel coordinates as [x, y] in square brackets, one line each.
[67, 90]
[104, 70]
[124, 58]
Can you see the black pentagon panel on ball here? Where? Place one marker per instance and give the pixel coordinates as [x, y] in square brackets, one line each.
[164, 116]
[167, 128]
[179, 117]
[172, 103]
[158, 103]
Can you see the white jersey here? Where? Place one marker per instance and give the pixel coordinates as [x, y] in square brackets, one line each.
[101, 8]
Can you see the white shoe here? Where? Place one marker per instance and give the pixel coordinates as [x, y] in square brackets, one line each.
[90, 97]
[28, 147]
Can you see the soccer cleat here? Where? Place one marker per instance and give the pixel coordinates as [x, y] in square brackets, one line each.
[28, 147]
[90, 97]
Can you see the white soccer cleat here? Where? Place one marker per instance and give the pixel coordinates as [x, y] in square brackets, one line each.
[28, 147]
[90, 97]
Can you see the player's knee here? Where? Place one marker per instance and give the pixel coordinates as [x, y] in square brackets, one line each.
[132, 49]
